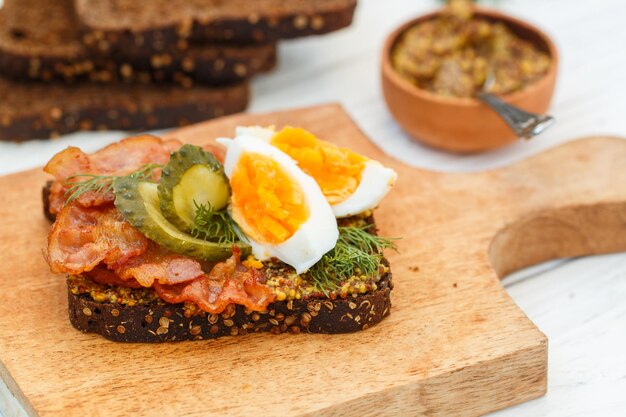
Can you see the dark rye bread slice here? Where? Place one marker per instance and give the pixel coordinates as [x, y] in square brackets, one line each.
[38, 111]
[163, 322]
[41, 40]
[159, 25]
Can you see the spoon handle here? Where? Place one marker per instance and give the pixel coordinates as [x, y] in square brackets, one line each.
[526, 125]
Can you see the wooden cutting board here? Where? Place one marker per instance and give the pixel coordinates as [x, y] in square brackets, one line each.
[454, 345]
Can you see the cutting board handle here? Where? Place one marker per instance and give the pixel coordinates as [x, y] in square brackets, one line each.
[569, 201]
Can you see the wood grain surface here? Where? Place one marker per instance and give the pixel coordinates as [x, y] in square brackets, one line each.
[455, 343]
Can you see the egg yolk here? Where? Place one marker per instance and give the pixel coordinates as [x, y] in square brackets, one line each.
[336, 170]
[271, 204]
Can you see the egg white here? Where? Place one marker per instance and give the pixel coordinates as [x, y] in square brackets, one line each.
[263, 133]
[316, 236]
[376, 181]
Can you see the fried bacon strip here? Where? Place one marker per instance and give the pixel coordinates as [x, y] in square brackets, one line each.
[118, 159]
[228, 282]
[81, 238]
[104, 276]
[160, 265]
[219, 151]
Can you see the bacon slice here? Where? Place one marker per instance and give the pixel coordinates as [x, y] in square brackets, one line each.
[81, 238]
[228, 282]
[102, 275]
[118, 159]
[216, 149]
[160, 265]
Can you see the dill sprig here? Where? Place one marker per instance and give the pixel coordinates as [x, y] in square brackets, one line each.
[358, 252]
[212, 225]
[102, 183]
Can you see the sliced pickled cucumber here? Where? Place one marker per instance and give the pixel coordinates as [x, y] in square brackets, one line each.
[192, 177]
[138, 201]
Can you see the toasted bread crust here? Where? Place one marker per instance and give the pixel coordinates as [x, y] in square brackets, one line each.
[106, 31]
[38, 111]
[33, 50]
[205, 66]
[168, 323]
[45, 197]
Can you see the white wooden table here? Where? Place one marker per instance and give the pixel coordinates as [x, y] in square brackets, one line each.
[580, 303]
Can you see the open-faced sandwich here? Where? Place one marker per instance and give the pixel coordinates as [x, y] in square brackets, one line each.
[274, 232]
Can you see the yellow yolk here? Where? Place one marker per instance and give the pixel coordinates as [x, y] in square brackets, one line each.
[336, 170]
[271, 204]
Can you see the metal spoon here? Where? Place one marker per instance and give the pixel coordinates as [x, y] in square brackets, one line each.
[525, 125]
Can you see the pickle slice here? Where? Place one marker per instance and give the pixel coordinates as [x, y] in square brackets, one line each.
[192, 177]
[138, 201]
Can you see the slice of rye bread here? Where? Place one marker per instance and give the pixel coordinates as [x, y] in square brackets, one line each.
[36, 110]
[158, 25]
[41, 40]
[158, 321]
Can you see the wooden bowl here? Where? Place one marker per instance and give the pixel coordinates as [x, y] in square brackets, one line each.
[463, 124]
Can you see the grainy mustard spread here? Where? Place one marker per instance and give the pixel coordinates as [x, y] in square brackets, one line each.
[454, 53]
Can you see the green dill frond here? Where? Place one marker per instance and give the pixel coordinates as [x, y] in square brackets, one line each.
[362, 238]
[358, 252]
[90, 182]
[213, 225]
[102, 183]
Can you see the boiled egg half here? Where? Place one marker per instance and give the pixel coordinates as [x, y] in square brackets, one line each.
[351, 183]
[280, 209]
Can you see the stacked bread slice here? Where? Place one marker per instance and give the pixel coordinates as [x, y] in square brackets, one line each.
[68, 65]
